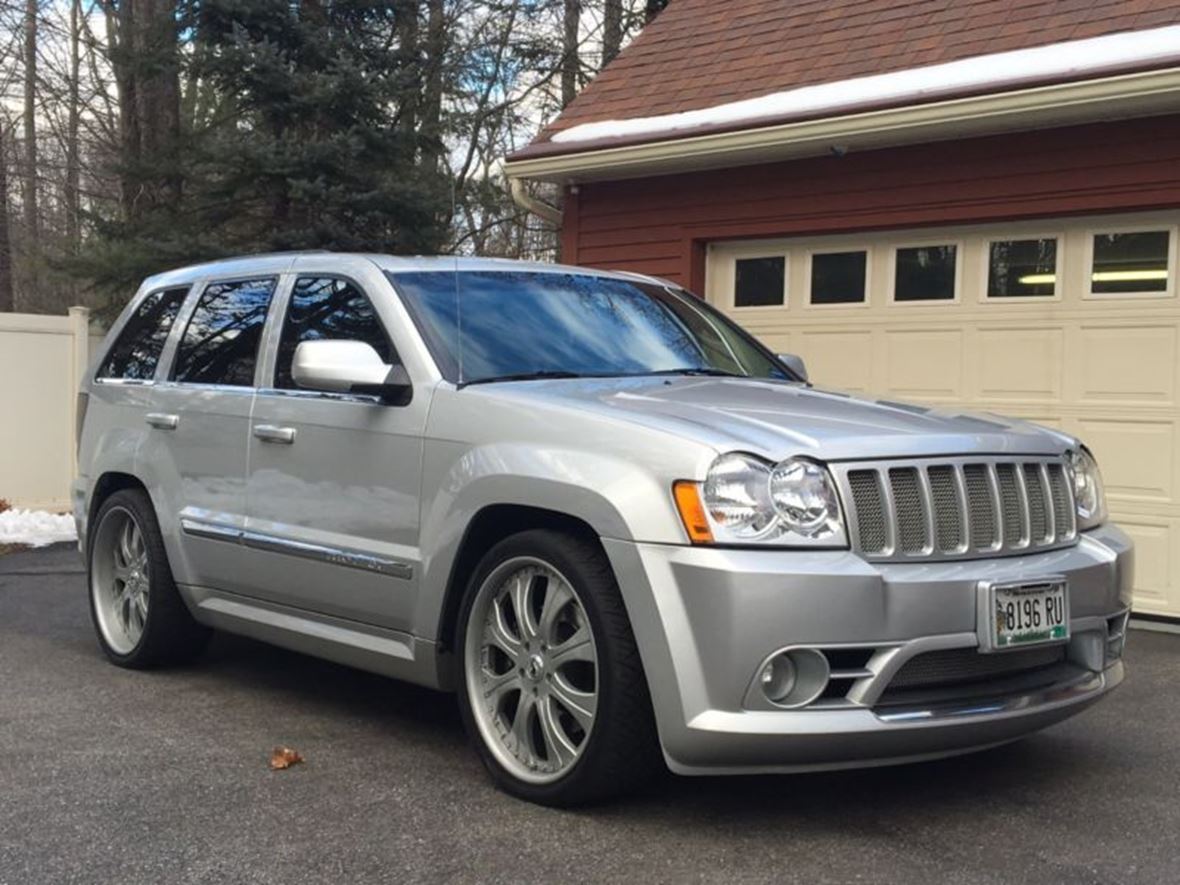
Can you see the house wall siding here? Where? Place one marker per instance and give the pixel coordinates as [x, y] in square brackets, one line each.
[660, 225]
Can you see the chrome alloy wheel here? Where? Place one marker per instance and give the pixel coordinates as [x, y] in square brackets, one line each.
[119, 580]
[531, 668]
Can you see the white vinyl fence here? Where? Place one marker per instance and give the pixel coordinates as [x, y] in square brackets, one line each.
[42, 359]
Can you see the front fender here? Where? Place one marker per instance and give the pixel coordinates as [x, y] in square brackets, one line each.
[612, 495]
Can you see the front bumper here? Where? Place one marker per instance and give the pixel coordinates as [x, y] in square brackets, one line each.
[706, 618]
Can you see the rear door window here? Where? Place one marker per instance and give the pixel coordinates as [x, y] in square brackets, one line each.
[328, 309]
[136, 351]
[220, 345]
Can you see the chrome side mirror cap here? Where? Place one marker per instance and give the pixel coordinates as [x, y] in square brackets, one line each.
[348, 367]
[795, 364]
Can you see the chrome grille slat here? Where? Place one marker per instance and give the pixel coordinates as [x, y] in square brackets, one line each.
[943, 502]
[980, 494]
[1062, 506]
[1038, 519]
[951, 508]
[909, 513]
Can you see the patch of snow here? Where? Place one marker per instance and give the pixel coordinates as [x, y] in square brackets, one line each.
[36, 528]
[995, 71]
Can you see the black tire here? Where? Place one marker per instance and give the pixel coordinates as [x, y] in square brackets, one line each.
[621, 751]
[170, 634]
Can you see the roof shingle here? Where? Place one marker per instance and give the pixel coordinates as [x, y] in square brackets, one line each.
[701, 53]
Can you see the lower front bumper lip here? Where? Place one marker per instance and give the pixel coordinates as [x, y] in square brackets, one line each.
[1078, 689]
[817, 740]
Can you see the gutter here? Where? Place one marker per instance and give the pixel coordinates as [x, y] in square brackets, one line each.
[522, 198]
[1138, 94]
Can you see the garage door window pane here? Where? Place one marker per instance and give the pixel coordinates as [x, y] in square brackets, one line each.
[838, 277]
[925, 273]
[758, 282]
[1022, 268]
[1130, 262]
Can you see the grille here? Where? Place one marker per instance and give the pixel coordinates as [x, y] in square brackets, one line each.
[950, 508]
[866, 494]
[958, 666]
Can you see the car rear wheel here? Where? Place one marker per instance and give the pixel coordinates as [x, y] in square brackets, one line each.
[139, 617]
[553, 692]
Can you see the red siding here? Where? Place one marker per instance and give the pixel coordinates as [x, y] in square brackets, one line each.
[659, 225]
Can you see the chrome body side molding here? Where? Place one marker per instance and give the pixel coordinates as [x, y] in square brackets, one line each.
[394, 568]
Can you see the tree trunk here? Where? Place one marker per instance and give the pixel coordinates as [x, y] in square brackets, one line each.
[569, 51]
[405, 22]
[73, 174]
[144, 58]
[32, 217]
[7, 301]
[436, 51]
[612, 29]
[158, 97]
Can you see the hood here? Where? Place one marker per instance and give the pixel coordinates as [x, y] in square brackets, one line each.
[780, 419]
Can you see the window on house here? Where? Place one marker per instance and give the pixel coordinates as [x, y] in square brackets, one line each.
[327, 309]
[759, 282]
[137, 350]
[1022, 268]
[1130, 262]
[925, 273]
[838, 277]
[220, 345]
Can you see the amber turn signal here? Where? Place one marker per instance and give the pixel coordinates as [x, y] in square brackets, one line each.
[692, 511]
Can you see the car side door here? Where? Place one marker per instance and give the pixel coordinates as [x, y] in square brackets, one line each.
[193, 458]
[334, 478]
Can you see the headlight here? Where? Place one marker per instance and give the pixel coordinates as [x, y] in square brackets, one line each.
[746, 500]
[1088, 492]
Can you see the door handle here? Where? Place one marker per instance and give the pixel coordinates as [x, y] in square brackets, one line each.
[162, 421]
[273, 434]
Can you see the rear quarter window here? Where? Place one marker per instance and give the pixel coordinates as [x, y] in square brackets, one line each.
[136, 352]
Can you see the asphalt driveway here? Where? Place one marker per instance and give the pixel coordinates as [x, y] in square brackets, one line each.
[114, 776]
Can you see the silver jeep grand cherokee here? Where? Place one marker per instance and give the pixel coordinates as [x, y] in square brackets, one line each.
[618, 526]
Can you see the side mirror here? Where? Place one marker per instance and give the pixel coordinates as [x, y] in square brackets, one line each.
[349, 367]
[794, 363]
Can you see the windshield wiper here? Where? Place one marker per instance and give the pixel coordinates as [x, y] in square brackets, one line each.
[526, 376]
[718, 373]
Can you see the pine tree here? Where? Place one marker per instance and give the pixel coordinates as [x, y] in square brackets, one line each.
[304, 148]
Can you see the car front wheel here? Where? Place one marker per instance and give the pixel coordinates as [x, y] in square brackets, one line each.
[553, 692]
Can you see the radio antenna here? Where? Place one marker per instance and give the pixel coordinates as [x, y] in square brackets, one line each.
[455, 258]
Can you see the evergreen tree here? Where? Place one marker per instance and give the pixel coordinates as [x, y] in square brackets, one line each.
[302, 149]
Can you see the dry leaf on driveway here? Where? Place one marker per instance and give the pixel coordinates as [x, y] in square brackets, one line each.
[284, 757]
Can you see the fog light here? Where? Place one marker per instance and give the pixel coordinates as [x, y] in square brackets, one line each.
[778, 678]
[794, 678]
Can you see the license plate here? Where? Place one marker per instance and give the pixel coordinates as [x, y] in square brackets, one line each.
[1024, 614]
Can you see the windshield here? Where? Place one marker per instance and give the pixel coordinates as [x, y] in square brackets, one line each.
[487, 326]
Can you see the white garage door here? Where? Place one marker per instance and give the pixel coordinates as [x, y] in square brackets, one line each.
[1073, 323]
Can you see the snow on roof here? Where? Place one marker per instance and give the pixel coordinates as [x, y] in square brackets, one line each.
[994, 72]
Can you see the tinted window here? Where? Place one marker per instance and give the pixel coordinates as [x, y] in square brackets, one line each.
[925, 273]
[516, 323]
[1019, 268]
[1133, 262]
[758, 282]
[327, 309]
[838, 277]
[137, 350]
[220, 345]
